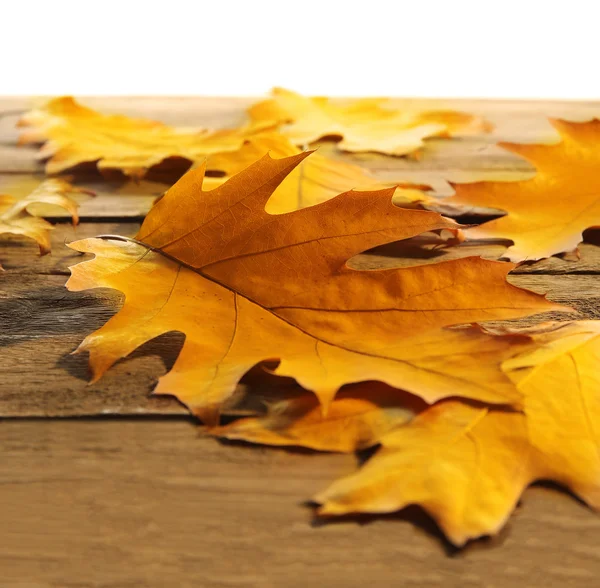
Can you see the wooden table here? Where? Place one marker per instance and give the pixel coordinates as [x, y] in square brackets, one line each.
[104, 485]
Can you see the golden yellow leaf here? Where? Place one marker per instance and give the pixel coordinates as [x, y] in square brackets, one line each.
[363, 125]
[314, 180]
[74, 134]
[468, 465]
[358, 417]
[16, 216]
[548, 213]
[246, 286]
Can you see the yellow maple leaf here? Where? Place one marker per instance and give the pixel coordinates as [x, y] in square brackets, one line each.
[363, 125]
[548, 213]
[16, 217]
[247, 286]
[467, 465]
[74, 134]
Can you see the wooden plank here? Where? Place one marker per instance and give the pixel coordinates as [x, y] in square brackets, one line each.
[19, 254]
[525, 118]
[182, 111]
[477, 155]
[121, 504]
[429, 249]
[458, 160]
[515, 121]
[42, 324]
[126, 199]
[116, 199]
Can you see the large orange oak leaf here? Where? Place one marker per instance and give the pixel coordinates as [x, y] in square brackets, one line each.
[74, 134]
[18, 215]
[468, 465]
[548, 213]
[246, 286]
[316, 179]
[362, 125]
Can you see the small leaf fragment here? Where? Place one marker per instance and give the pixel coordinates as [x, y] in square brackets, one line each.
[358, 417]
[16, 218]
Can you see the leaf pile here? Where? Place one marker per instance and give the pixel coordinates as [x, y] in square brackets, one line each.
[251, 255]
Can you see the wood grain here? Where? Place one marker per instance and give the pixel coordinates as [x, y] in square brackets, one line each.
[477, 155]
[43, 323]
[121, 503]
[21, 255]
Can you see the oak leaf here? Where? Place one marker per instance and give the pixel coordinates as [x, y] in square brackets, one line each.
[466, 355]
[17, 218]
[363, 125]
[468, 465]
[358, 417]
[74, 134]
[247, 286]
[314, 180]
[547, 214]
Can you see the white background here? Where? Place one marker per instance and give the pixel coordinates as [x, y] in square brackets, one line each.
[485, 48]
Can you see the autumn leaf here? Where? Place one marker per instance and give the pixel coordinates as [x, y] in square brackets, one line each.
[547, 214]
[363, 125]
[468, 465]
[16, 218]
[246, 286]
[358, 417]
[361, 414]
[74, 134]
[315, 180]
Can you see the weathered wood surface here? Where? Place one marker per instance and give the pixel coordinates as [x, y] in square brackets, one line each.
[121, 503]
[148, 502]
[43, 322]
